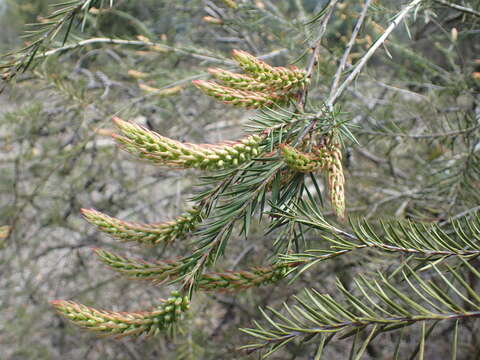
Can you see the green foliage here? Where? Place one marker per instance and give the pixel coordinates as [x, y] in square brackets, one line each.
[369, 117]
[374, 307]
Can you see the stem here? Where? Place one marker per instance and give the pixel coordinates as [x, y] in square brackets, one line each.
[459, 7]
[135, 43]
[350, 44]
[100, 40]
[310, 66]
[315, 48]
[359, 66]
[285, 331]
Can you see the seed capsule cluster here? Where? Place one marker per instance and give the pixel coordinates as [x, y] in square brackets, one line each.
[152, 146]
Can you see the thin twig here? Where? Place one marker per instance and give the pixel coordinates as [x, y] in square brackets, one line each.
[459, 7]
[152, 44]
[422, 136]
[310, 66]
[349, 47]
[462, 214]
[301, 10]
[315, 49]
[135, 43]
[359, 66]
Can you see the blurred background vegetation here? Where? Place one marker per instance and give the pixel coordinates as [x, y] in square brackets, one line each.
[416, 109]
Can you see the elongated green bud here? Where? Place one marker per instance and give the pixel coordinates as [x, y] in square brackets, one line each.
[263, 86]
[230, 3]
[4, 231]
[246, 98]
[148, 234]
[240, 81]
[279, 77]
[240, 280]
[160, 271]
[120, 324]
[137, 269]
[301, 161]
[159, 149]
[336, 181]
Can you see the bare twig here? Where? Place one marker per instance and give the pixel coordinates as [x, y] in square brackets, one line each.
[301, 10]
[459, 7]
[152, 44]
[458, 216]
[136, 43]
[316, 47]
[350, 44]
[311, 65]
[363, 61]
[423, 136]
